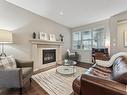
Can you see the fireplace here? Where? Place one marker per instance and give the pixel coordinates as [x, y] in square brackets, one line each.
[49, 56]
[38, 46]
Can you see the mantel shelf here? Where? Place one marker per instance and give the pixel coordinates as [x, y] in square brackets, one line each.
[48, 42]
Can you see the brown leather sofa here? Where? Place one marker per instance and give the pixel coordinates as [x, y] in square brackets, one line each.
[103, 81]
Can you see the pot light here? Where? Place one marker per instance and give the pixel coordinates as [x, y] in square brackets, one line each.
[61, 13]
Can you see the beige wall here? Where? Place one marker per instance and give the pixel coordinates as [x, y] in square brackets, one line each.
[85, 56]
[23, 23]
[117, 33]
[121, 29]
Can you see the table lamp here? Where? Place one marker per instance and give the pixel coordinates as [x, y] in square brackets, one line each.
[5, 38]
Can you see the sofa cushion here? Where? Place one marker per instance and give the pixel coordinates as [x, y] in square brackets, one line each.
[7, 62]
[26, 71]
[103, 63]
[119, 72]
[99, 71]
[103, 69]
[115, 56]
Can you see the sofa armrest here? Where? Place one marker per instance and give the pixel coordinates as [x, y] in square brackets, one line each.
[91, 84]
[21, 64]
[10, 78]
[77, 86]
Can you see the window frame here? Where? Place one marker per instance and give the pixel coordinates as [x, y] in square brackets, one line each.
[75, 41]
[81, 41]
[104, 31]
[86, 30]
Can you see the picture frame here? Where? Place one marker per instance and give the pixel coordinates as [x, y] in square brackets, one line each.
[52, 37]
[43, 36]
[125, 39]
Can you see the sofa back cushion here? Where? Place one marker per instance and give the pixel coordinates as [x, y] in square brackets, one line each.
[7, 62]
[119, 72]
[115, 56]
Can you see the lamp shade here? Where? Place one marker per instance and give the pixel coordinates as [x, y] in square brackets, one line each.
[5, 36]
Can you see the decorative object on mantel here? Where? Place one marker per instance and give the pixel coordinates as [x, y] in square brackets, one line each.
[46, 36]
[34, 35]
[43, 36]
[52, 37]
[61, 37]
[5, 38]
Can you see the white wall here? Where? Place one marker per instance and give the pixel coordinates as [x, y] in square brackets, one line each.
[86, 55]
[117, 35]
[23, 23]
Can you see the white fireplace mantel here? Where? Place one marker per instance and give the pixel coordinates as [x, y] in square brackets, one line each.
[46, 42]
[38, 45]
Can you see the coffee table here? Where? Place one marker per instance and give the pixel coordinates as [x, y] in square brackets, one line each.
[67, 67]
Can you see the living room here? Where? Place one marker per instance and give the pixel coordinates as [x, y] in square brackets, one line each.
[63, 47]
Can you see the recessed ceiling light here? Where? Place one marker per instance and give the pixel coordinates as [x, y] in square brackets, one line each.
[61, 13]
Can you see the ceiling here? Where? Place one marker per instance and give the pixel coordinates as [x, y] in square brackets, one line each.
[73, 13]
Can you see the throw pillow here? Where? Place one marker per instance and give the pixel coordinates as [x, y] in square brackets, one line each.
[8, 62]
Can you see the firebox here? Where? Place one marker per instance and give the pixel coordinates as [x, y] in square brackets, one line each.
[49, 55]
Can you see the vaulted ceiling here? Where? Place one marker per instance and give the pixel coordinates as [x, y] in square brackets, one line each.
[73, 13]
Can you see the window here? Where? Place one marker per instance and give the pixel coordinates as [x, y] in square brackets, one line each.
[87, 39]
[77, 40]
[98, 38]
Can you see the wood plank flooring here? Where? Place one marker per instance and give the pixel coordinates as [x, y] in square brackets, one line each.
[34, 88]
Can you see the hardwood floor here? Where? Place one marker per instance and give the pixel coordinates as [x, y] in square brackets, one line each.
[34, 88]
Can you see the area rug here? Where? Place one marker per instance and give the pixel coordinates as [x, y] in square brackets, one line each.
[56, 84]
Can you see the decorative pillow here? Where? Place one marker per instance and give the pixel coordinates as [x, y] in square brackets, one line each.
[1, 65]
[7, 62]
[72, 54]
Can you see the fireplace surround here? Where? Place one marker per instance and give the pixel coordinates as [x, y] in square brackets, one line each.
[37, 55]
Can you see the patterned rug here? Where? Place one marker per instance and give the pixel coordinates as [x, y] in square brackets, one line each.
[56, 84]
